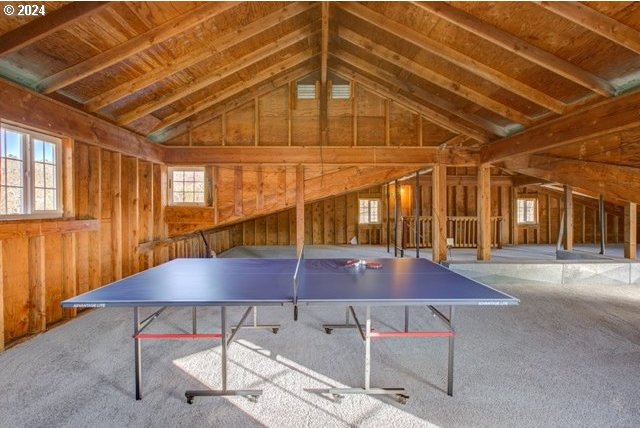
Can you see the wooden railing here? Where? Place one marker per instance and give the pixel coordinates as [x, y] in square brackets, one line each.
[463, 231]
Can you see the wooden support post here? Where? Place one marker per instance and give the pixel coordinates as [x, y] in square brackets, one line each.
[514, 215]
[396, 218]
[416, 195]
[388, 218]
[603, 222]
[299, 209]
[37, 292]
[484, 212]
[630, 230]
[439, 212]
[568, 218]
[215, 178]
[260, 189]
[584, 225]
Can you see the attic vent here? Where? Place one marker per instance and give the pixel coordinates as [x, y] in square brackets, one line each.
[306, 91]
[341, 91]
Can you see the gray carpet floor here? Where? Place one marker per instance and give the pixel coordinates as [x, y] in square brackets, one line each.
[568, 356]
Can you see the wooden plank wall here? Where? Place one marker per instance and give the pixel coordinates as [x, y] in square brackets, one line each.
[278, 119]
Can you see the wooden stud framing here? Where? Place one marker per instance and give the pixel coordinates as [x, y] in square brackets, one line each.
[484, 212]
[630, 230]
[2, 335]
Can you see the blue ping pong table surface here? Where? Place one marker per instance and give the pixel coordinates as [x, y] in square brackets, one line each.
[222, 282]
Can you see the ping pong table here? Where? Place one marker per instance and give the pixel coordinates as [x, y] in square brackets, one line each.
[253, 283]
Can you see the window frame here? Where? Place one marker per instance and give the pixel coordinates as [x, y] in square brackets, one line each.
[28, 170]
[315, 91]
[379, 209]
[350, 89]
[535, 210]
[170, 200]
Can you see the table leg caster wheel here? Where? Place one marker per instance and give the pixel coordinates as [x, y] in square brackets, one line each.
[328, 330]
[252, 398]
[190, 399]
[275, 330]
[337, 397]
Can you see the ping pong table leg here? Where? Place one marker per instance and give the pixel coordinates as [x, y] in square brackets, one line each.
[451, 343]
[252, 394]
[194, 320]
[406, 319]
[137, 352]
[367, 350]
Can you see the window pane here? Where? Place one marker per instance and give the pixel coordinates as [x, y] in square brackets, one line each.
[14, 172]
[38, 151]
[199, 197]
[199, 176]
[50, 176]
[49, 153]
[177, 197]
[188, 175]
[13, 141]
[39, 200]
[178, 186]
[188, 186]
[38, 175]
[178, 175]
[14, 200]
[50, 200]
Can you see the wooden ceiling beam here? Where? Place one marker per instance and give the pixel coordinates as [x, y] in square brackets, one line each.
[42, 27]
[236, 101]
[431, 76]
[234, 89]
[518, 47]
[292, 155]
[608, 116]
[596, 22]
[213, 47]
[612, 181]
[352, 71]
[229, 69]
[133, 46]
[453, 56]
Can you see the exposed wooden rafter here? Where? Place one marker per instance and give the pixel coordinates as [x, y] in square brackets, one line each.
[388, 90]
[435, 78]
[381, 156]
[596, 22]
[519, 47]
[42, 27]
[133, 46]
[234, 89]
[451, 55]
[612, 115]
[217, 44]
[217, 75]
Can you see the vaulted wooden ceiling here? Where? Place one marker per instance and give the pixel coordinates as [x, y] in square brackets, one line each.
[488, 71]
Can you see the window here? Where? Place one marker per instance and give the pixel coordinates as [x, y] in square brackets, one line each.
[341, 91]
[527, 211]
[29, 166]
[186, 186]
[306, 91]
[369, 211]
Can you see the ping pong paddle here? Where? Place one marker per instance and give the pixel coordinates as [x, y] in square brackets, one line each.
[369, 265]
